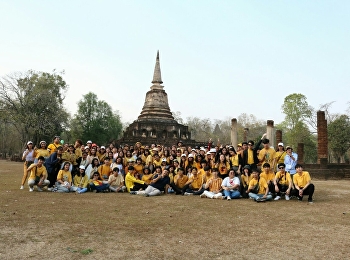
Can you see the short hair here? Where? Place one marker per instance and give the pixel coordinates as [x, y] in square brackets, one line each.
[265, 141]
[251, 142]
[266, 165]
[180, 169]
[256, 170]
[116, 169]
[281, 164]
[130, 168]
[207, 168]
[41, 158]
[215, 170]
[298, 166]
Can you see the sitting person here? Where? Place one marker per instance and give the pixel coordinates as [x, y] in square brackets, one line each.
[302, 183]
[38, 175]
[80, 180]
[245, 179]
[180, 180]
[269, 176]
[147, 176]
[157, 186]
[194, 185]
[282, 182]
[64, 179]
[258, 188]
[213, 187]
[97, 184]
[231, 185]
[133, 184]
[116, 181]
[105, 169]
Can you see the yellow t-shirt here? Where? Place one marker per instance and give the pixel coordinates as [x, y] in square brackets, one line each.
[180, 181]
[262, 185]
[80, 181]
[280, 156]
[53, 148]
[267, 156]
[301, 180]
[37, 172]
[197, 182]
[147, 178]
[234, 160]
[246, 179]
[64, 176]
[42, 152]
[130, 180]
[104, 170]
[223, 168]
[270, 176]
[283, 179]
[250, 157]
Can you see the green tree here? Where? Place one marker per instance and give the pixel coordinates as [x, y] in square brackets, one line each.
[95, 120]
[338, 137]
[33, 104]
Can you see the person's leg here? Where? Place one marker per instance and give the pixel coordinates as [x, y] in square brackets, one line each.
[175, 188]
[269, 197]
[209, 194]
[154, 192]
[31, 184]
[184, 189]
[218, 195]
[113, 188]
[25, 174]
[235, 194]
[253, 195]
[227, 193]
[309, 191]
[199, 192]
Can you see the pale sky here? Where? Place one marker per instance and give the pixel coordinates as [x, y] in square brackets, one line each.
[218, 58]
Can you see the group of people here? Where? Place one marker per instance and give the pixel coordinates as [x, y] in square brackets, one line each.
[221, 172]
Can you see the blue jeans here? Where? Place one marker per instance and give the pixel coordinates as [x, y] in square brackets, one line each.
[233, 194]
[255, 196]
[99, 188]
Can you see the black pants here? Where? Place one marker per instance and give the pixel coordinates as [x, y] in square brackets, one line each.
[139, 186]
[176, 189]
[188, 188]
[283, 188]
[308, 191]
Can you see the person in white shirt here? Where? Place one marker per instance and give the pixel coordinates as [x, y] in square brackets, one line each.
[231, 185]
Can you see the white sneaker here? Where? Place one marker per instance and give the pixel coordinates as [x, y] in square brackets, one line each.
[49, 189]
[277, 197]
[22, 187]
[31, 189]
[228, 198]
[39, 189]
[188, 194]
[287, 197]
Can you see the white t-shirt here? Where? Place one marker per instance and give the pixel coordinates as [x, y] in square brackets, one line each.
[227, 182]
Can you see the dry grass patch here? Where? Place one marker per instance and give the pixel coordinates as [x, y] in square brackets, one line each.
[114, 226]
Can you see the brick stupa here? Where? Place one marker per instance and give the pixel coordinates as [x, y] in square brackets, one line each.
[156, 123]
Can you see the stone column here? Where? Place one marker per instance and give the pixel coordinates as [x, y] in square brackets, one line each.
[279, 137]
[300, 152]
[322, 139]
[234, 137]
[270, 133]
[245, 134]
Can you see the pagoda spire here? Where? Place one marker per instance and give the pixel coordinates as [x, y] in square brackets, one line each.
[157, 76]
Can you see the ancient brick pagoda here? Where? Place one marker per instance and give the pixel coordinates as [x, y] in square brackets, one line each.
[156, 123]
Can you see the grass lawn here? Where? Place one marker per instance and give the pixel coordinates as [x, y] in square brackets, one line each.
[45, 225]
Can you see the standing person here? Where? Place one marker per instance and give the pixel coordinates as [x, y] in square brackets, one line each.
[258, 188]
[280, 154]
[41, 151]
[231, 185]
[78, 146]
[53, 165]
[267, 154]
[250, 155]
[38, 175]
[302, 183]
[28, 158]
[290, 160]
[213, 187]
[55, 144]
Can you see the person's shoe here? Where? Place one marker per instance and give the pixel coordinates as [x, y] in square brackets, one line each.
[310, 201]
[39, 189]
[277, 198]
[202, 195]
[31, 189]
[133, 192]
[300, 198]
[260, 200]
[228, 198]
[146, 195]
[287, 197]
[188, 193]
[22, 187]
[49, 189]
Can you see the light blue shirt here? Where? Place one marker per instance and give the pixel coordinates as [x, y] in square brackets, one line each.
[290, 163]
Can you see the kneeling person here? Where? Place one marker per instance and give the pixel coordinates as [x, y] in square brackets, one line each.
[282, 182]
[302, 183]
[38, 175]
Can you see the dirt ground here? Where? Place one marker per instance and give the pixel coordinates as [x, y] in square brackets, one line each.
[122, 226]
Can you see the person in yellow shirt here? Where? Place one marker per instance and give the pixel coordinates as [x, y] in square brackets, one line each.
[37, 175]
[41, 151]
[258, 188]
[267, 154]
[147, 176]
[55, 144]
[213, 189]
[194, 185]
[64, 179]
[280, 154]
[179, 181]
[101, 154]
[132, 184]
[223, 166]
[246, 177]
[269, 176]
[105, 169]
[302, 183]
[282, 182]
[80, 181]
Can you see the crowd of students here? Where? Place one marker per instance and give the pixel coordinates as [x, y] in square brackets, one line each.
[255, 171]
